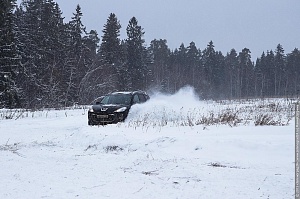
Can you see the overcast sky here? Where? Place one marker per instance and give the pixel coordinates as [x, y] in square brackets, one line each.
[256, 24]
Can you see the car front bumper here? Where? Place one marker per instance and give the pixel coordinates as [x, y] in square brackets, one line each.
[95, 118]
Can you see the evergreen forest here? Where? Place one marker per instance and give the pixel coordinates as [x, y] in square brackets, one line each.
[48, 62]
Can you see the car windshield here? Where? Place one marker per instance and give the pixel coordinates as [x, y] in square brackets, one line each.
[117, 99]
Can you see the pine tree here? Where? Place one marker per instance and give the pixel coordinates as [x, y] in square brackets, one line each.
[90, 45]
[219, 76]
[29, 35]
[9, 96]
[110, 53]
[105, 72]
[51, 49]
[181, 55]
[110, 49]
[159, 54]
[87, 90]
[40, 45]
[193, 64]
[279, 70]
[292, 74]
[209, 65]
[245, 73]
[269, 74]
[74, 67]
[137, 69]
[231, 65]
[260, 76]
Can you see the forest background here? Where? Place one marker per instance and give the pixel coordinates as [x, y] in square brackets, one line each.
[46, 62]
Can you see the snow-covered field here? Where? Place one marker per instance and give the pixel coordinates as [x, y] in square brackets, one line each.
[170, 147]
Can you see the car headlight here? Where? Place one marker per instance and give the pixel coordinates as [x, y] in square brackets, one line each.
[121, 110]
[91, 110]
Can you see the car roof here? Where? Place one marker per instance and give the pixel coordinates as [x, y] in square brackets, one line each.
[128, 92]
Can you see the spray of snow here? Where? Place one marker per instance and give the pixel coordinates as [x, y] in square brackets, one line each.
[166, 107]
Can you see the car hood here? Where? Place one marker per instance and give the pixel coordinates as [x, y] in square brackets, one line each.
[107, 108]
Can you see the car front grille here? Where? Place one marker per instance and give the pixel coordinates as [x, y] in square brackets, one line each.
[102, 118]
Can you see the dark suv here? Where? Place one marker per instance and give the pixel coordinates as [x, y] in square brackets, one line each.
[114, 107]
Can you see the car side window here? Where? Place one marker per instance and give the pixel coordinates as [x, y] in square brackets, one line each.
[142, 98]
[136, 99]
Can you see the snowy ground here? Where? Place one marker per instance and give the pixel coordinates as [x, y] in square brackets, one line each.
[161, 151]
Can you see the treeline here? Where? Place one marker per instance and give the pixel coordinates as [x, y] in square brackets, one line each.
[46, 62]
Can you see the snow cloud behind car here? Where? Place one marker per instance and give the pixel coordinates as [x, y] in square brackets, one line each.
[167, 107]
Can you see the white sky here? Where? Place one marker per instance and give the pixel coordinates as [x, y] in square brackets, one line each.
[257, 24]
